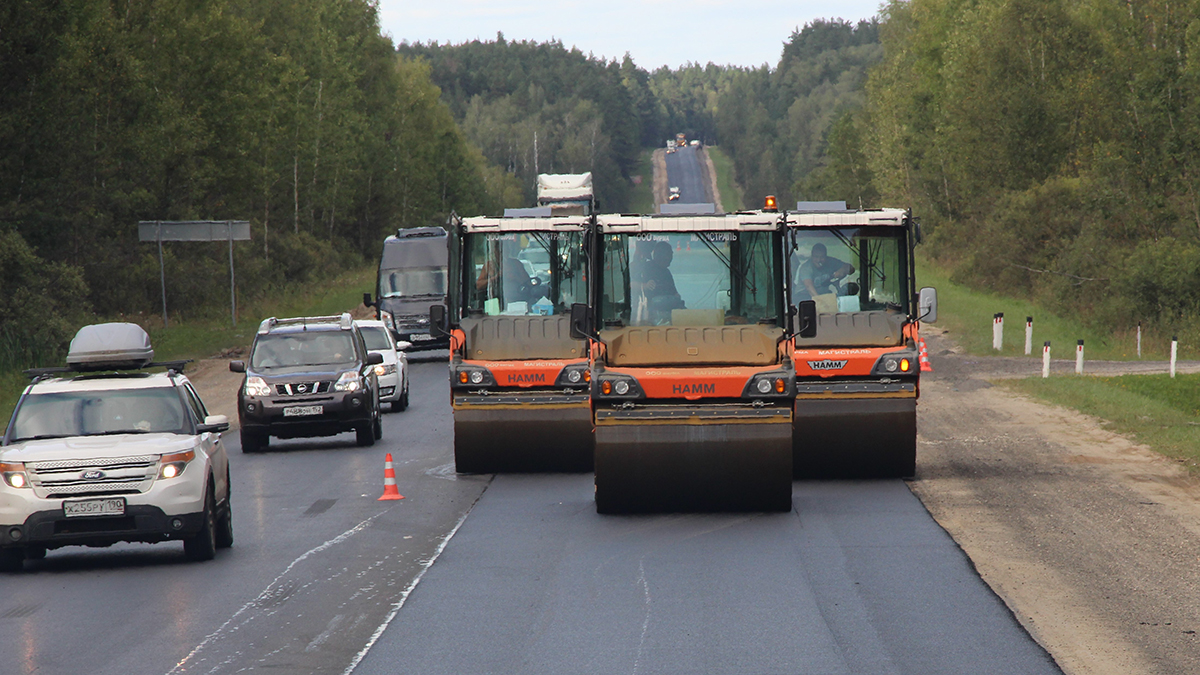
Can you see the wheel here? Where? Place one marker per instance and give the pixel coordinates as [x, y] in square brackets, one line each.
[203, 545]
[377, 427]
[365, 435]
[12, 560]
[402, 403]
[252, 442]
[225, 520]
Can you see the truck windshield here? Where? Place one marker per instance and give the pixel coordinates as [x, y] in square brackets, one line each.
[98, 413]
[317, 348]
[412, 282]
[690, 279]
[524, 273]
[850, 269]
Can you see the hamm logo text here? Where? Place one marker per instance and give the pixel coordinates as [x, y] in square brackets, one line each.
[826, 365]
[698, 388]
[527, 378]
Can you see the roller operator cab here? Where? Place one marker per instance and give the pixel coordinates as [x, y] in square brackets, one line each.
[857, 380]
[412, 278]
[518, 380]
[692, 380]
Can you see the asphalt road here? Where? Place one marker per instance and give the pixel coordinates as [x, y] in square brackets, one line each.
[684, 172]
[517, 574]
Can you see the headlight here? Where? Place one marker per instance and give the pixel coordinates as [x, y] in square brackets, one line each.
[14, 475]
[900, 363]
[764, 386]
[772, 384]
[622, 386]
[388, 320]
[385, 369]
[172, 465]
[348, 381]
[256, 386]
[576, 374]
[476, 377]
[472, 375]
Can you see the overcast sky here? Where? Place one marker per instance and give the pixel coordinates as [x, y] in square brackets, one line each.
[654, 32]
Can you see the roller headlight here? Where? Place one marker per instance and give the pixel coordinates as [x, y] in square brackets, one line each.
[621, 387]
[476, 377]
[14, 475]
[574, 376]
[773, 384]
[256, 386]
[349, 381]
[763, 386]
[896, 363]
[618, 386]
[473, 376]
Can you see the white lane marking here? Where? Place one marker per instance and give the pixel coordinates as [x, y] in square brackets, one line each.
[270, 589]
[445, 471]
[425, 565]
[637, 662]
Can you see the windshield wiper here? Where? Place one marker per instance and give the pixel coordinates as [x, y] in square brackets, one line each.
[41, 437]
[118, 432]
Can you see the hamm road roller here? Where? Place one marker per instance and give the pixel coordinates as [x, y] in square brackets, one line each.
[518, 380]
[692, 380]
[857, 379]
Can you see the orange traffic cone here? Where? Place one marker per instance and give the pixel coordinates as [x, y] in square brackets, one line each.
[678, 246]
[923, 357]
[389, 481]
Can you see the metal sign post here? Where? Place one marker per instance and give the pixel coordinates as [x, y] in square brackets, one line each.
[195, 230]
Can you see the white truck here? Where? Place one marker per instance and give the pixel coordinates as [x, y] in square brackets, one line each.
[567, 194]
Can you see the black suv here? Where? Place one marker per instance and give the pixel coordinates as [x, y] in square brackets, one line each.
[308, 376]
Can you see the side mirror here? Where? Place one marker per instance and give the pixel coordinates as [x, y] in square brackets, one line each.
[374, 358]
[437, 320]
[402, 345]
[807, 314]
[367, 300]
[213, 424]
[580, 320]
[927, 305]
[237, 366]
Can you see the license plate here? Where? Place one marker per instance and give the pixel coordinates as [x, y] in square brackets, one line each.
[302, 410]
[420, 337]
[95, 507]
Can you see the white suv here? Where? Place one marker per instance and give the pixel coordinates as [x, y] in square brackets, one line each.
[112, 454]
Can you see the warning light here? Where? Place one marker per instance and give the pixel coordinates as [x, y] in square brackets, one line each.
[769, 203]
[462, 376]
[606, 387]
[904, 365]
[779, 386]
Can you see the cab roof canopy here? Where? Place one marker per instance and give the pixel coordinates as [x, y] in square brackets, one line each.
[880, 217]
[525, 224]
[744, 221]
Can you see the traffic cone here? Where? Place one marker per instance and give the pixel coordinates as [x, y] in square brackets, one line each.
[678, 246]
[389, 481]
[923, 357]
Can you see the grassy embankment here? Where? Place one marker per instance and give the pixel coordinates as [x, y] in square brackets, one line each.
[731, 194]
[1155, 410]
[196, 339]
[641, 198]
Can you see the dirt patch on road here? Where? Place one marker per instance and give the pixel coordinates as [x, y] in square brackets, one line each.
[1090, 538]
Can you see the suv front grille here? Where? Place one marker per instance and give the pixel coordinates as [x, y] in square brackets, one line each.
[114, 475]
[302, 388]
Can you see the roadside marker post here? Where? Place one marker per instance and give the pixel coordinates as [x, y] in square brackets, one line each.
[1079, 358]
[1139, 340]
[1000, 332]
[1046, 360]
[1028, 335]
[1174, 351]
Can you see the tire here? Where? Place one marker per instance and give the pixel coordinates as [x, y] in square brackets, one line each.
[225, 521]
[12, 560]
[252, 442]
[203, 545]
[401, 403]
[365, 435]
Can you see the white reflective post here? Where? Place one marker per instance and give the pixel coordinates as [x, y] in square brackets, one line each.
[1079, 358]
[1174, 351]
[1000, 331]
[1028, 335]
[1046, 359]
[1139, 340]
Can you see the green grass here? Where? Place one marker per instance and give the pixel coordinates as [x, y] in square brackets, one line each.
[641, 198]
[731, 194]
[1155, 410]
[198, 339]
[967, 314]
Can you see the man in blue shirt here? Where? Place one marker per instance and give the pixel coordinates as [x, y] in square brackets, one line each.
[820, 274]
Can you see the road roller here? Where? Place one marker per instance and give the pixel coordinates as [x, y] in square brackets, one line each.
[858, 377]
[692, 380]
[519, 382]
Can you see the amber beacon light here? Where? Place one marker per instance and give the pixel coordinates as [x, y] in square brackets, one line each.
[769, 203]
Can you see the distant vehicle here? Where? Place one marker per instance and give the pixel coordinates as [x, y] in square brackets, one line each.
[694, 143]
[673, 196]
[108, 452]
[412, 278]
[680, 140]
[567, 194]
[308, 376]
[393, 372]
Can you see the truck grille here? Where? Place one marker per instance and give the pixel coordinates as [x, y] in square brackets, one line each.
[114, 475]
[302, 388]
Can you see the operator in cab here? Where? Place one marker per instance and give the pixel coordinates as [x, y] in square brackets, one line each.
[820, 274]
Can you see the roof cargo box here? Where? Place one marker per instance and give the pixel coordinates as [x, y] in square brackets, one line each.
[110, 346]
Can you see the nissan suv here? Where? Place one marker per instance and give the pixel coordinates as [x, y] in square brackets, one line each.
[104, 451]
[308, 376]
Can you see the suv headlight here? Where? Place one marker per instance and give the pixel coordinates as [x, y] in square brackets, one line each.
[473, 376]
[256, 386]
[14, 475]
[172, 465]
[388, 320]
[896, 363]
[385, 369]
[349, 381]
